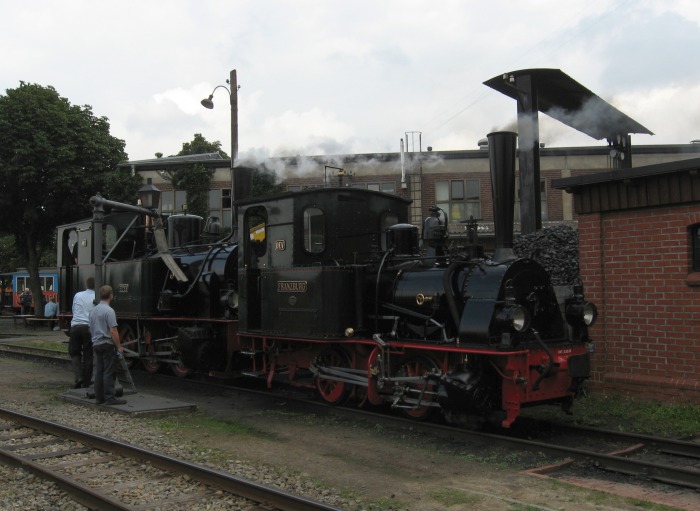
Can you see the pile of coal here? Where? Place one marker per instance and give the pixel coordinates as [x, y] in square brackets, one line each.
[555, 248]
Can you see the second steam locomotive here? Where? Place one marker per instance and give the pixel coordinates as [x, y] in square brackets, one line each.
[333, 289]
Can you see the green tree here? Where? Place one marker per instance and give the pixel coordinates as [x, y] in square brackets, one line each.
[265, 182]
[9, 258]
[53, 157]
[195, 180]
[201, 145]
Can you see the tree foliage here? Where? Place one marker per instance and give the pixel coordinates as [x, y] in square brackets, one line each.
[201, 145]
[195, 179]
[53, 157]
[265, 182]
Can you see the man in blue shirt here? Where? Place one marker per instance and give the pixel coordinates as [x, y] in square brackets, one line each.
[80, 343]
[105, 346]
[50, 312]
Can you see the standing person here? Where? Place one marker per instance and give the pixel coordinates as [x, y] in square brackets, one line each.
[80, 343]
[105, 345]
[50, 312]
[25, 300]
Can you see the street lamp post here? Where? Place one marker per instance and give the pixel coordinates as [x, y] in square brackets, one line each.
[232, 90]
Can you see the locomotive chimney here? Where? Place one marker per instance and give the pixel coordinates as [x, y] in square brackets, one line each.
[502, 162]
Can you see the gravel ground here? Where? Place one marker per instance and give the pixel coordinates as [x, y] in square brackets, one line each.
[350, 466]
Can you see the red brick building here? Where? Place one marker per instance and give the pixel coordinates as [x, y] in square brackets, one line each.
[639, 241]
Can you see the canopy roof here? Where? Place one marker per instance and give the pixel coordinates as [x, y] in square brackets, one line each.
[564, 99]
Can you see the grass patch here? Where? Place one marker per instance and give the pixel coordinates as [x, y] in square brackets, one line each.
[606, 500]
[46, 345]
[210, 426]
[629, 414]
[450, 497]
[385, 504]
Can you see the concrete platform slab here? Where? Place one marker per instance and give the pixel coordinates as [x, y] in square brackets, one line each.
[137, 403]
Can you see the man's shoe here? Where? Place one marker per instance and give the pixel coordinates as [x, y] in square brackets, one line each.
[115, 401]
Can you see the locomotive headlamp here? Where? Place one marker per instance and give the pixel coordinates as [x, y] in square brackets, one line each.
[230, 300]
[581, 313]
[515, 317]
[149, 196]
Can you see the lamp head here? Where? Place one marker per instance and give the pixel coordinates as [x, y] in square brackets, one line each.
[207, 102]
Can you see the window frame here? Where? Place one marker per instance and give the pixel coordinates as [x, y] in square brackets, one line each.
[467, 203]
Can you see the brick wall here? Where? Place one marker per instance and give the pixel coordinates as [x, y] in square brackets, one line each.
[635, 266]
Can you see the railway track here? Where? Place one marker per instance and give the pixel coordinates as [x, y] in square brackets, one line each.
[641, 457]
[85, 466]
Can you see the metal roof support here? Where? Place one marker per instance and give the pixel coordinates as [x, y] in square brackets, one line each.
[529, 155]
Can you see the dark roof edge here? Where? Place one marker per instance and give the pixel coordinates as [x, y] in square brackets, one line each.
[208, 159]
[625, 174]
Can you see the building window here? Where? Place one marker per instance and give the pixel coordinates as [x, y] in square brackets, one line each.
[293, 188]
[459, 198]
[220, 205]
[314, 230]
[167, 202]
[386, 186]
[543, 201]
[389, 187]
[172, 201]
[695, 244]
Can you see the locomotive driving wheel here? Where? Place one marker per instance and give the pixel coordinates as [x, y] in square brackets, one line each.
[333, 392]
[151, 365]
[179, 369]
[418, 365]
[129, 342]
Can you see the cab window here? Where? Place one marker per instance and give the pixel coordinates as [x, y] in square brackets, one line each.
[256, 232]
[388, 219]
[314, 230]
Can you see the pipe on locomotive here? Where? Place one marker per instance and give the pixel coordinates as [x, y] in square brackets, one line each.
[502, 147]
[98, 204]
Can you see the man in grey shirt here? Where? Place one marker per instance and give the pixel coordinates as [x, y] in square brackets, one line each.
[105, 346]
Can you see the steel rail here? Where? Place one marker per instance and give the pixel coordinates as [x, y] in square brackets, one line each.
[235, 485]
[662, 445]
[668, 474]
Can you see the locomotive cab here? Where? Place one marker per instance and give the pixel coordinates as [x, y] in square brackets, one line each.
[305, 253]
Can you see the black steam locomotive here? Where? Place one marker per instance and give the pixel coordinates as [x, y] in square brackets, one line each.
[333, 289]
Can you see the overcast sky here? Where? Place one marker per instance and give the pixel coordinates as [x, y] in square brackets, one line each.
[337, 77]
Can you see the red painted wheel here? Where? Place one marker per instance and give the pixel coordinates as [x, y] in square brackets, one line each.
[333, 392]
[128, 342]
[418, 365]
[180, 370]
[151, 365]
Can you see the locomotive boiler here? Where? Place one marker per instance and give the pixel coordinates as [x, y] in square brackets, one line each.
[333, 289]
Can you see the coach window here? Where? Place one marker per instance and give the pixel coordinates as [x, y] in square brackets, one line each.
[46, 283]
[314, 230]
